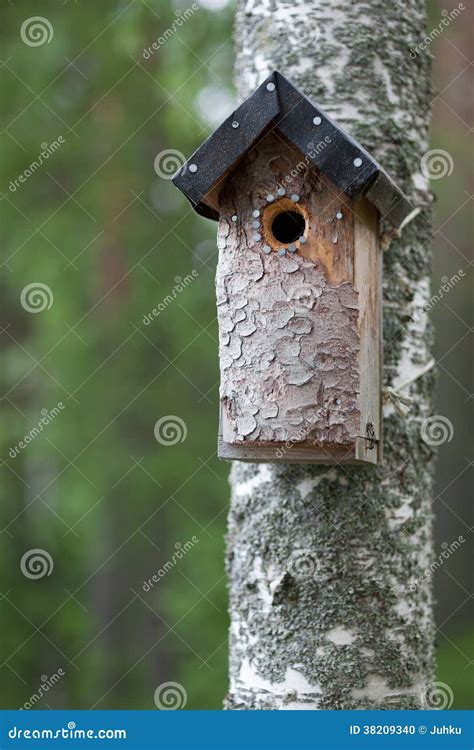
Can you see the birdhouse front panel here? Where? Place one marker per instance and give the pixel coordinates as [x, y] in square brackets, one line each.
[299, 203]
[288, 311]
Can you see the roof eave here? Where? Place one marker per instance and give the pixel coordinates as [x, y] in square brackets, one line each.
[276, 102]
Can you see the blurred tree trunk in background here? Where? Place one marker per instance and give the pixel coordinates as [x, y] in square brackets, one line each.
[329, 605]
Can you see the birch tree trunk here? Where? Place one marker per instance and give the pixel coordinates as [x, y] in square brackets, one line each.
[330, 608]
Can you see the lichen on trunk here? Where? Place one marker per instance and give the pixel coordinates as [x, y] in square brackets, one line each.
[329, 605]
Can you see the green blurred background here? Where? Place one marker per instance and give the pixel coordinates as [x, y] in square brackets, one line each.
[111, 239]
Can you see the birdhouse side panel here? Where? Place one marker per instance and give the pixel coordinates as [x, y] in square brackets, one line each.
[288, 335]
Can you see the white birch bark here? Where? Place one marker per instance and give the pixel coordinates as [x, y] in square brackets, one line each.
[329, 605]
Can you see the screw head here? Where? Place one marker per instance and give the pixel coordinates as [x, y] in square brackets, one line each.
[295, 197]
[257, 237]
[256, 224]
[302, 240]
[339, 215]
[266, 249]
[193, 168]
[292, 248]
[234, 218]
[317, 120]
[235, 124]
[270, 86]
[256, 213]
[281, 191]
[357, 161]
[270, 198]
[281, 252]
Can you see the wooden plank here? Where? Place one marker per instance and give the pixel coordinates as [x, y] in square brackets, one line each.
[301, 453]
[368, 284]
[284, 453]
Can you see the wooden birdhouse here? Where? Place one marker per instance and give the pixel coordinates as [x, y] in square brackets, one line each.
[299, 204]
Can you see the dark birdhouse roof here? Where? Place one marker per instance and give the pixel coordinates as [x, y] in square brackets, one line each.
[277, 104]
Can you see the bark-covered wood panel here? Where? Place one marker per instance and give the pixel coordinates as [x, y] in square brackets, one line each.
[288, 313]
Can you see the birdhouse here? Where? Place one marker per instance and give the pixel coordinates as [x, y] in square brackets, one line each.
[298, 204]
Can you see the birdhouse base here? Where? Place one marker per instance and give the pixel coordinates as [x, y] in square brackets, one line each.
[362, 452]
